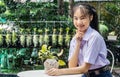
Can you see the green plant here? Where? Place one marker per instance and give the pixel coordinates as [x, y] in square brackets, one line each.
[2, 7]
[110, 15]
[45, 53]
[103, 29]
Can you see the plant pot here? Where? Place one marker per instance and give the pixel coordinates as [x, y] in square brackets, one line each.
[50, 63]
[112, 37]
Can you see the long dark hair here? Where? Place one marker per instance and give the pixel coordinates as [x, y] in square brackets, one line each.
[88, 9]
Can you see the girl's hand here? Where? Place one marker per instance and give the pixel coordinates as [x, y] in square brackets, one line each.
[79, 35]
[53, 72]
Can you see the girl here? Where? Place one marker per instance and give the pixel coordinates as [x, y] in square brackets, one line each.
[87, 53]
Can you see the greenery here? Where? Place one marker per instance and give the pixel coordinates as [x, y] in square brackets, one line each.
[30, 11]
[109, 16]
[46, 53]
[48, 11]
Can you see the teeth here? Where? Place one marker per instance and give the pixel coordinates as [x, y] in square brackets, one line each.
[82, 25]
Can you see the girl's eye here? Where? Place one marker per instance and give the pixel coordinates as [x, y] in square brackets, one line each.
[75, 18]
[82, 18]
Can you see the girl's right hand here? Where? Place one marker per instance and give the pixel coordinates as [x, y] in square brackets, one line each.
[79, 36]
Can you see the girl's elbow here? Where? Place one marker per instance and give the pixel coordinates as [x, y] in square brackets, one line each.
[85, 71]
[85, 67]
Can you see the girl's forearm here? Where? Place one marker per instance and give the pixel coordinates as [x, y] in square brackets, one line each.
[76, 70]
[73, 62]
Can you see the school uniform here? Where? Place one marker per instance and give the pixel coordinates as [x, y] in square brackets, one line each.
[92, 50]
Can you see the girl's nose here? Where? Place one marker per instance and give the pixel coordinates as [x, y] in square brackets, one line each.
[79, 22]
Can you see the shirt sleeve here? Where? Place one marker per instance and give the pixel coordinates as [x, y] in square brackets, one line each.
[93, 50]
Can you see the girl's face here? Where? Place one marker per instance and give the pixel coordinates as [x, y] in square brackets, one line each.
[81, 21]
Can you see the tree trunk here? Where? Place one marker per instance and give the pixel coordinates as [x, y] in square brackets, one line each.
[71, 2]
[60, 8]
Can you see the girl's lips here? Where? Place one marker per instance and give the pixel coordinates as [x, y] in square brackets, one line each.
[80, 27]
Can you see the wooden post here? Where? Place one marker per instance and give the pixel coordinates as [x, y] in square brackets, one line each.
[61, 5]
[71, 2]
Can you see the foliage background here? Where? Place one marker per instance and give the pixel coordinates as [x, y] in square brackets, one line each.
[109, 13]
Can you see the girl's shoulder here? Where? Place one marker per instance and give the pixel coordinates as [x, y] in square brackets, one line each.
[96, 34]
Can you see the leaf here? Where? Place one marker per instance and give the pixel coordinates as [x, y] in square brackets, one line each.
[61, 63]
[49, 47]
[2, 3]
[103, 28]
[61, 53]
[112, 33]
[44, 48]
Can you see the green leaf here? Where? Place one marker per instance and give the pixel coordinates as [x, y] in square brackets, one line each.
[44, 48]
[61, 63]
[103, 28]
[2, 3]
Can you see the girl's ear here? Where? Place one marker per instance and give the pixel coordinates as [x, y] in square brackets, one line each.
[91, 17]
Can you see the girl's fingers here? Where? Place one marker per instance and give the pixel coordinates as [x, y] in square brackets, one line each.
[51, 72]
[79, 35]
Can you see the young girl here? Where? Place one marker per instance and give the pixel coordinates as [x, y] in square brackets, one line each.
[87, 53]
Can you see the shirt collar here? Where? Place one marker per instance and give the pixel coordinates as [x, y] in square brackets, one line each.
[87, 33]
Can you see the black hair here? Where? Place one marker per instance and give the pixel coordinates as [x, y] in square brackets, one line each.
[88, 9]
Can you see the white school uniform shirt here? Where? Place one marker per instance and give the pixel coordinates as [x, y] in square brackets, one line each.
[92, 50]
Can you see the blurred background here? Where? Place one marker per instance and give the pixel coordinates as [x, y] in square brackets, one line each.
[28, 25]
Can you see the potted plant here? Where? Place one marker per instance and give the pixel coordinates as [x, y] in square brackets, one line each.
[112, 36]
[50, 59]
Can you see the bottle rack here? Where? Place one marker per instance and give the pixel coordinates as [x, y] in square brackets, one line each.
[35, 34]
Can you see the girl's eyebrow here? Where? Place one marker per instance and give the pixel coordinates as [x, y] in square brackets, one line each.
[74, 16]
[81, 16]
[84, 16]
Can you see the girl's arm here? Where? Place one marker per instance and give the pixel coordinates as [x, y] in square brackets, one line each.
[73, 62]
[67, 71]
[76, 70]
